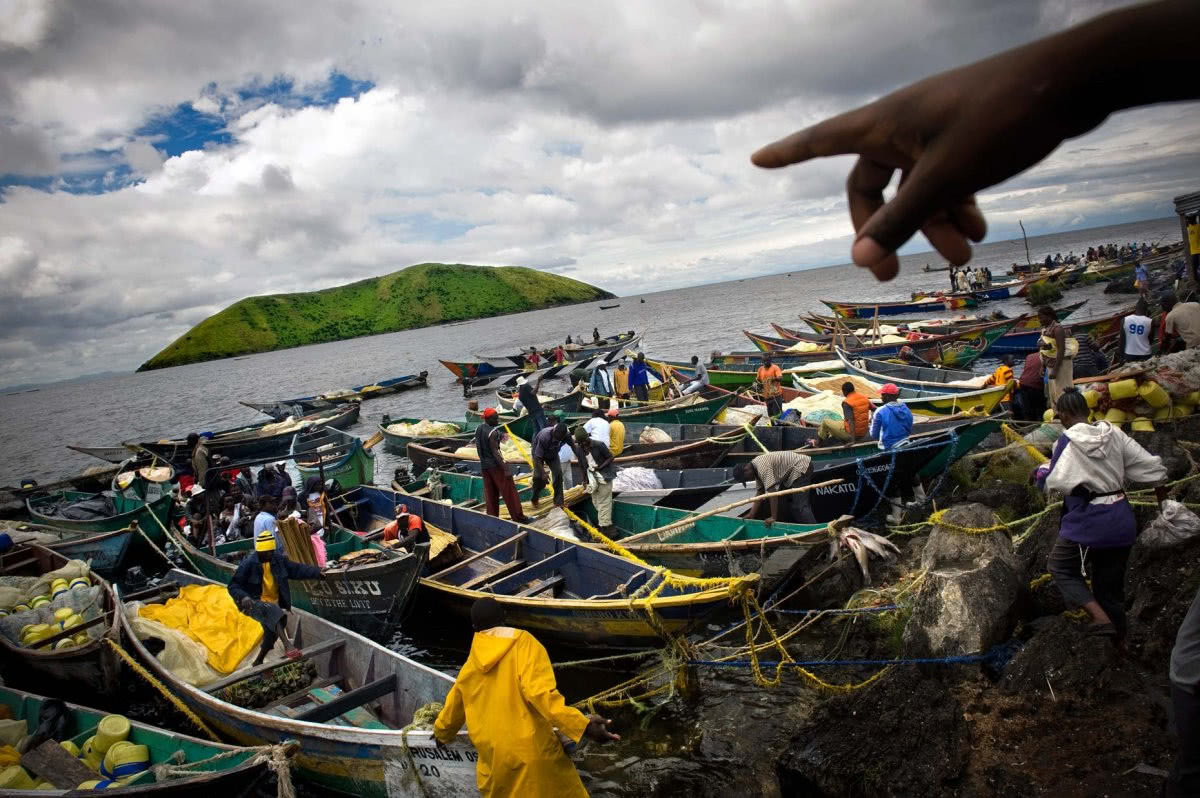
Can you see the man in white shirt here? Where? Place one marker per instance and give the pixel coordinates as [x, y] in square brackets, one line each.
[700, 380]
[265, 520]
[1135, 334]
[597, 427]
[1183, 320]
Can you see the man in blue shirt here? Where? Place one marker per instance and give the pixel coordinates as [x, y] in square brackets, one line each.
[891, 425]
[528, 396]
[265, 520]
[639, 378]
[1141, 280]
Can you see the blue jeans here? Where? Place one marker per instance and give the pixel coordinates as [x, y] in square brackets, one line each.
[538, 417]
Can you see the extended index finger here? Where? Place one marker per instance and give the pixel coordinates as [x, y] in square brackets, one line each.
[838, 135]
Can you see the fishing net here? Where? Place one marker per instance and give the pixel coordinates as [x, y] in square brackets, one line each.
[636, 478]
[654, 435]
[87, 602]
[424, 429]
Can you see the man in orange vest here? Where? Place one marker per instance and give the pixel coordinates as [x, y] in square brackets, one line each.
[856, 410]
[769, 376]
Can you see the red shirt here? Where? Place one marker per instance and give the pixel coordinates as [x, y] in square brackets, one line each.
[392, 530]
[1031, 373]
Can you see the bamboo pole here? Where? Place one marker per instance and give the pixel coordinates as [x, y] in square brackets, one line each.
[717, 511]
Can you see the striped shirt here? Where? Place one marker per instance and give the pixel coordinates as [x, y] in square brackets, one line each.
[780, 469]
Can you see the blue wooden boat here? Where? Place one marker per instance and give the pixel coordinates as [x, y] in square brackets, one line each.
[333, 454]
[924, 379]
[304, 405]
[550, 585]
[350, 724]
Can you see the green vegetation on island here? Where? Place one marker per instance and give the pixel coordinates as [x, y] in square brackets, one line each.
[419, 296]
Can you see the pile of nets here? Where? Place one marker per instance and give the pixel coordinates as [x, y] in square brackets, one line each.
[750, 414]
[636, 478]
[424, 429]
[823, 406]
[509, 449]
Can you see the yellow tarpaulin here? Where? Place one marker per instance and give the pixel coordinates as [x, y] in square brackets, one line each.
[207, 614]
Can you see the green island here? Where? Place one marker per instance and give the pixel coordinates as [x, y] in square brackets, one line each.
[419, 296]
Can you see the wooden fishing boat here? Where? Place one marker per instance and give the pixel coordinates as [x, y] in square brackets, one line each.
[397, 443]
[919, 378]
[92, 664]
[610, 307]
[575, 351]
[684, 410]
[253, 442]
[954, 350]
[1103, 329]
[702, 453]
[866, 310]
[983, 401]
[368, 598]
[103, 551]
[708, 547]
[333, 454]
[234, 772]
[1004, 290]
[468, 370]
[550, 585]
[349, 723]
[304, 405]
[568, 403]
[106, 511]
[827, 325]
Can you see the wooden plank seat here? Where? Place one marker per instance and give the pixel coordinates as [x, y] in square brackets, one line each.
[504, 569]
[341, 703]
[480, 555]
[541, 586]
[535, 570]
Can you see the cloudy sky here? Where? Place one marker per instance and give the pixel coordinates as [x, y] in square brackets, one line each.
[160, 160]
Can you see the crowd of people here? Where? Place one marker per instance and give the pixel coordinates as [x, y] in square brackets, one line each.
[967, 279]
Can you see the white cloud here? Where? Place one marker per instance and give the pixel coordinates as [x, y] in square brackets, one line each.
[607, 142]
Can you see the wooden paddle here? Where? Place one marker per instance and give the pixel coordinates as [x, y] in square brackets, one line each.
[374, 440]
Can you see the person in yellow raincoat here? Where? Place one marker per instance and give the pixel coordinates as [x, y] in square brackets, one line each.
[506, 695]
[1003, 375]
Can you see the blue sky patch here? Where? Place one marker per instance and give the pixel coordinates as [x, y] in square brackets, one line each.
[184, 128]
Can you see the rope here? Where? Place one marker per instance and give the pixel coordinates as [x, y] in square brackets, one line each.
[169, 536]
[137, 668]
[964, 659]
[750, 432]
[275, 757]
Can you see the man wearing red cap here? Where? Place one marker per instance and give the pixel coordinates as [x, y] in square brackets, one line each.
[414, 529]
[891, 425]
[616, 432]
[497, 481]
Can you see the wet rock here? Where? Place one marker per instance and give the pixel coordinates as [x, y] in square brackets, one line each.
[971, 586]
[1162, 582]
[1008, 499]
[1060, 656]
[905, 735]
[1123, 285]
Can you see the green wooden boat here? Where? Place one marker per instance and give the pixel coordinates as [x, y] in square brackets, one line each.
[397, 443]
[676, 411]
[708, 547]
[333, 454]
[106, 511]
[227, 770]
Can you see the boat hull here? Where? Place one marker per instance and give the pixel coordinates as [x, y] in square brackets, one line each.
[857, 310]
[104, 553]
[151, 518]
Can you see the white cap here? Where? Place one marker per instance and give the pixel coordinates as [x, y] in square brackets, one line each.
[197, 490]
[521, 380]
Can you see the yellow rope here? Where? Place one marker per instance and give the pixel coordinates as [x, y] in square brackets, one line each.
[750, 432]
[1012, 436]
[137, 668]
[1038, 581]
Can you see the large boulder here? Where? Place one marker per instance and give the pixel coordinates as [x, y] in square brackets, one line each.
[971, 586]
[1164, 444]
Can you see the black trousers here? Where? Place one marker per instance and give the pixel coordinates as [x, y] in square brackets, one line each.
[556, 480]
[1185, 773]
[1029, 404]
[642, 392]
[1105, 567]
[774, 406]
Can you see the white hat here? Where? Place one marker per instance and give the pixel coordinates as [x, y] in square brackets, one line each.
[197, 490]
[521, 380]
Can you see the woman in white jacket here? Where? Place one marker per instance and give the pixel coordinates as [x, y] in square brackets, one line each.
[1090, 467]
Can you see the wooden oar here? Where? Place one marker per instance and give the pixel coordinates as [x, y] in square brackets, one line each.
[374, 440]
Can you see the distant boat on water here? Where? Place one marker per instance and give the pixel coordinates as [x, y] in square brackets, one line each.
[610, 307]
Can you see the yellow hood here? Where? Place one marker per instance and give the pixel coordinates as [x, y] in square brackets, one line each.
[490, 646]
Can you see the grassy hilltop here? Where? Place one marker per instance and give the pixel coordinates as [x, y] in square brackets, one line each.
[421, 295]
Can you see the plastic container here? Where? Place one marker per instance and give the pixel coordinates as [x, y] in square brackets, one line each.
[1048, 416]
[112, 729]
[1179, 411]
[70, 748]
[35, 632]
[1142, 424]
[80, 581]
[1123, 389]
[1161, 413]
[1092, 398]
[125, 759]
[1154, 394]
[1116, 415]
[14, 777]
[39, 601]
